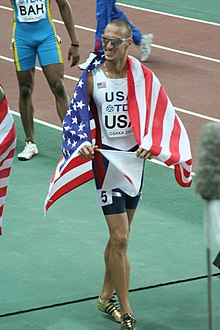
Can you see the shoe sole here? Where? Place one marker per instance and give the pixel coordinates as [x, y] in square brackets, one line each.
[24, 158]
[103, 311]
[110, 316]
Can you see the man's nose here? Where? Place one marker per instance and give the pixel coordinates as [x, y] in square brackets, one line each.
[109, 43]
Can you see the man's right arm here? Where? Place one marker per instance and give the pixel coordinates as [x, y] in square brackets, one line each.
[67, 16]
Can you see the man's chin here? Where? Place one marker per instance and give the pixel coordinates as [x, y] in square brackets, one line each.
[109, 57]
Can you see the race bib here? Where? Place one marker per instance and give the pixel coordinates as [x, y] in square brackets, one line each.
[31, 10]
[105, 197]
[115, 119]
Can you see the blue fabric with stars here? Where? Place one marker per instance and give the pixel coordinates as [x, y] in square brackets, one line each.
[76, 124]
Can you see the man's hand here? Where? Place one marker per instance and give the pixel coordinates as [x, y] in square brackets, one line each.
[143, 153]
[73, 55]
[88, 151]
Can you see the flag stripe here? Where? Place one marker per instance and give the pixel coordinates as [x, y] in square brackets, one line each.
[7, 161]
[3, 190]
[184, 181]
[133, 105]
[148, 82]
[158, 121]
[57, 184]
[8, 144]
[76, 182]
[70, 181]
[1, 211]
[174, 143]
[7, 129]
[74, 163]
[7, 148]
[4, 110]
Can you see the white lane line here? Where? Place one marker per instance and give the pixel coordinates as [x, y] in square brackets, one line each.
[195, 114]
[201, 57]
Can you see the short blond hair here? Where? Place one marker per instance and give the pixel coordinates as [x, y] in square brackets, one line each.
[123, 24]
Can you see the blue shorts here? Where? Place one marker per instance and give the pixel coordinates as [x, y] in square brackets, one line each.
[120, 200]
[32, 40]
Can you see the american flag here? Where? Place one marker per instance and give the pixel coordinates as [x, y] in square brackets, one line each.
[7, 148]
[155, 124]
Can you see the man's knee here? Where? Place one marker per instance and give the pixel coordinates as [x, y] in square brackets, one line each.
[119, 242]
[25, 92]
[58, 89]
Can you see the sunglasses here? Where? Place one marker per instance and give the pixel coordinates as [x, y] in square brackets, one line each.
[113, 41]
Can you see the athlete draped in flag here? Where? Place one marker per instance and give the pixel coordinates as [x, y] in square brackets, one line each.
[121, 104]
[7, 148]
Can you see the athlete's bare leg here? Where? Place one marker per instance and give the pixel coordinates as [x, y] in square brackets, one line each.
[117, 272]
[54, 74]
[26, 86]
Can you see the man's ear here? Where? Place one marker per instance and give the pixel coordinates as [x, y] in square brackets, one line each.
[130, 42]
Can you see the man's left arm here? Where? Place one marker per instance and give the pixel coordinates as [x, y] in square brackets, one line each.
[67, 16]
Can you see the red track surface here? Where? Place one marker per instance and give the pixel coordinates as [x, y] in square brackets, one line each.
[192, 83]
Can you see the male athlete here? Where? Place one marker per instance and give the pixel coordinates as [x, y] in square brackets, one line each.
[118, 117]
[34, 34]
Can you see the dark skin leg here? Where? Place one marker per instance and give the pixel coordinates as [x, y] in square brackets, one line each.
[54, 74]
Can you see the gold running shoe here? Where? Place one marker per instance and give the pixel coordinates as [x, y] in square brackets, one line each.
[110, 307]
[128, 322]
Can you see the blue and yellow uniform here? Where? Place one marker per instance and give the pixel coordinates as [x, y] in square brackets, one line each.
[34, 34]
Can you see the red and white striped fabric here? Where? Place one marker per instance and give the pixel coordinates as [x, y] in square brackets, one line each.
[70, 173]
[155, 124]
[7, 148]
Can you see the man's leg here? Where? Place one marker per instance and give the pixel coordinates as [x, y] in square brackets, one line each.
[117, 257]
[108, 285]
[26, 86]
[54, 74]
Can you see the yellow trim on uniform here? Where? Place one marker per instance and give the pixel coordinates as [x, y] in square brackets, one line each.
[14, 47]
[13, 43]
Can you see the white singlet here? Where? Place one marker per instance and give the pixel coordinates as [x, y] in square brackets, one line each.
[110, 96]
